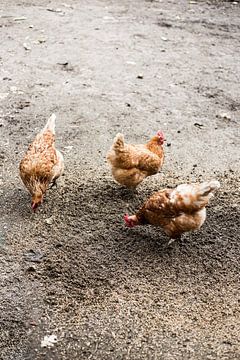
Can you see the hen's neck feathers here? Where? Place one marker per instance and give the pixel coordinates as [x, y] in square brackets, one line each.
[154, 145]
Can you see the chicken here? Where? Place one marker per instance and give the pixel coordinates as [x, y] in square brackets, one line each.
[42, 163]
[132, 163]
[176, 210]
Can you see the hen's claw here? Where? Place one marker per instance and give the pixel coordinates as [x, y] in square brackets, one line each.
[53, 184]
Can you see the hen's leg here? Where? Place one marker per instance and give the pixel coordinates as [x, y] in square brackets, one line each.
[53, 184]
[171, 241]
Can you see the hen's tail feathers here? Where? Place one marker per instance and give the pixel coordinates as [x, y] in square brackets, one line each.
[50, 125]
[118, 143]
[208, 187]
[194, 196]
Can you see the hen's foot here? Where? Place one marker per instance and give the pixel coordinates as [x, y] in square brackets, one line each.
[53, 184]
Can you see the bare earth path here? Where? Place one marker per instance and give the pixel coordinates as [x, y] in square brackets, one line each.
[73, 269]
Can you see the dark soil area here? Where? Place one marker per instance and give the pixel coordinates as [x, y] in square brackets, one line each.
[73, 269]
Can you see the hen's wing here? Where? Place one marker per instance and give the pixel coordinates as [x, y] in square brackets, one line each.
[148, 161]
[58, 168]
[135, 156]
[128, 156]
[157, 209]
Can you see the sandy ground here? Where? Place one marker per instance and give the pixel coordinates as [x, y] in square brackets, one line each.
[72, 269]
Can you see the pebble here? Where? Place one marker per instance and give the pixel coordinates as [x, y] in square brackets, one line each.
[26, 47]
[20, 18]
[31, 269]
[34, 256]
[42, 40]
[198, 125]
[49, 221]
[54, 10]
[49, 341]
[224, 115]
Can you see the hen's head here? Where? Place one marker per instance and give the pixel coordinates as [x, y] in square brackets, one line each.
[37, 200]
[130, 221]
[161, 137]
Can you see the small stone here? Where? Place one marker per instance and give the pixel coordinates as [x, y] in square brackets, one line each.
[20, 18]
[63, 63]
[58, 245]
[49, 221]
[26, 47]
[140, 76]
[34, 256]
[198, 125]
[227, 342]
[223, 115]
[49, 341]
[164, 38]
[54, 10]
[31, 269]
[42, 40]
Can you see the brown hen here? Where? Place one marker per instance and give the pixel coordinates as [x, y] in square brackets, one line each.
[176, 210]
[42, 163]
[131, 164]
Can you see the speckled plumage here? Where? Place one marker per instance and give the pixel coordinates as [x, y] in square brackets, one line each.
[131, 164]
[42, 164]
[176, 210]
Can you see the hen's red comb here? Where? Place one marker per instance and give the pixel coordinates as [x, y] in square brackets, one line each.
[160, 134]
[128, 221]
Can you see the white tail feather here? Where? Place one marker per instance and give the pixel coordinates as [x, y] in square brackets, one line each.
[207, 187]
[195, 194]
[50, 125]
[118, 143]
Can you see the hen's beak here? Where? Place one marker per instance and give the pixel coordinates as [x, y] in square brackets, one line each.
[34, 207]
[129, 222]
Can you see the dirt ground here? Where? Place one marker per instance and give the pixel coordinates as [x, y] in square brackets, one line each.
[72, 269]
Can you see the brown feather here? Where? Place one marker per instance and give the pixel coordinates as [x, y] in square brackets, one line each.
[131, 164]
[38, 164]
[176, 210]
